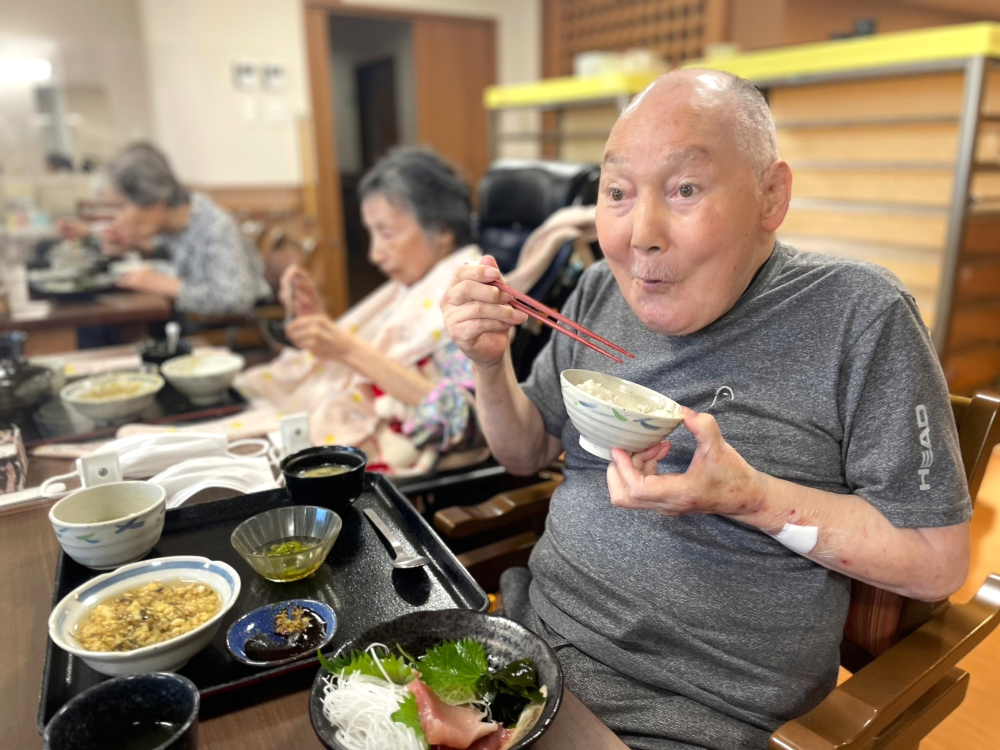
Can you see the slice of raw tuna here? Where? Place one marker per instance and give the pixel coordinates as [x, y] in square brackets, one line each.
[454, 726]
[493, 741]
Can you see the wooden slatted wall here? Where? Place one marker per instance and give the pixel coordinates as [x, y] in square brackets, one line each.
[676, 30]
[874, 165]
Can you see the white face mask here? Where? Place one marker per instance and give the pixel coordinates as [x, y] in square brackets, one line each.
[143, 456]
[239, 473]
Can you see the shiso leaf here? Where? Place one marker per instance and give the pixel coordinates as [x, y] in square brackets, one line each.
[452, 670]
[407, 715]
[398, 670]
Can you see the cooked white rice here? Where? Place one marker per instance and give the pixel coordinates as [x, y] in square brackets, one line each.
[598, 391]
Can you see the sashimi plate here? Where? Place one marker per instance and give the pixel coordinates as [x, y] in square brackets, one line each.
[504, 641]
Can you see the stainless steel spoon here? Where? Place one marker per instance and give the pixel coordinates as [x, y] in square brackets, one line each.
[403, 558]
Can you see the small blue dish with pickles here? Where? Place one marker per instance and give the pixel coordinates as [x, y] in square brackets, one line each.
[282, 632]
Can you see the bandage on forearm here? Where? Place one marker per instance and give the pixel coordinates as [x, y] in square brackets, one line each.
[800, 539]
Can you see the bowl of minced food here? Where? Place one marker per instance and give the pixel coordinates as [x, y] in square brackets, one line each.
[613, 413]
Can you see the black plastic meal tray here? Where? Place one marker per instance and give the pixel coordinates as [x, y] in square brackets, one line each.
[357, 581]
[53, 422]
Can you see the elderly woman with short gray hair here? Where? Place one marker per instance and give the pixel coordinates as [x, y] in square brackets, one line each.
[385, 376]
[217, 270]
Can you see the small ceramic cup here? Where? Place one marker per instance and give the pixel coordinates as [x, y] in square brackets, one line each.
[158, 708]
[109, 525]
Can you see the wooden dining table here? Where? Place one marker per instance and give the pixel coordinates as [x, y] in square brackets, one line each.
[52, 326]
[280, 719]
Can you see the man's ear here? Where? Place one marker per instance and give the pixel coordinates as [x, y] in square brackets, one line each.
[777, 192]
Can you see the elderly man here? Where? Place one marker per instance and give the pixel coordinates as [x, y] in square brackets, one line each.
[696, 592]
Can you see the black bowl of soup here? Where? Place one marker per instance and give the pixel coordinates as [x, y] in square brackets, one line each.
[331, 476]
[158, 711]
[157, 351]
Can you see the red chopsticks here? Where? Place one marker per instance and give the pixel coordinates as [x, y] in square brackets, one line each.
[549, 317]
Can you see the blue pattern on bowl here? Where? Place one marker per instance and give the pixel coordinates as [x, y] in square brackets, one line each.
[135, 523]
[262, 620]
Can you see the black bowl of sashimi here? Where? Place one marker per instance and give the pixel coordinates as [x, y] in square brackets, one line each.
[462, 658]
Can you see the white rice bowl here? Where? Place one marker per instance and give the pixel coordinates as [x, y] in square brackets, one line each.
[613, 413]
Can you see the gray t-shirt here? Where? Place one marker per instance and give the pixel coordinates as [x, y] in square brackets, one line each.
[220, 271]
[835, 380]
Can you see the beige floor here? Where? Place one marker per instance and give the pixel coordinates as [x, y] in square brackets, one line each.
[976, 725]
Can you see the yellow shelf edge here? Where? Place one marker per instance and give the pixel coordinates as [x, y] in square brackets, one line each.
[863, 53]
[566, 90]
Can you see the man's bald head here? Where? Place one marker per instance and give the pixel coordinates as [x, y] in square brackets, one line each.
[716, 94]
[692, 194]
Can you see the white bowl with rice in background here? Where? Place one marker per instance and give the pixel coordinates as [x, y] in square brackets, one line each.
[203, 378]
[165, 656]
[112, 397]
[613, 413]
[111, 524]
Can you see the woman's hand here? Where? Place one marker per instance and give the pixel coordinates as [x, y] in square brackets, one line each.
[298, 292]
[718, 480]
[478, 315]
[321, 336]
[150, 281]
[115, 240]
[71, 229]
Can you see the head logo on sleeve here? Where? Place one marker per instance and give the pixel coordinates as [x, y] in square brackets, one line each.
[926, 455]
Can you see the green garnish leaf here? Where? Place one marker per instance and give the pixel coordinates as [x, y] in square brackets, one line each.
[407, 715]
[406, 656]
[328, 664]
[397, 670]
[452, 670]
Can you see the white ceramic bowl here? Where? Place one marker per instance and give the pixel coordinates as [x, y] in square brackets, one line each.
[102, 409]
[160, 657]
[604, 426]
[109, 525]
[203, 378]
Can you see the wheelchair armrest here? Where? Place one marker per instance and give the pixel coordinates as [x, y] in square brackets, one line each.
[864, 706]
[499, 511]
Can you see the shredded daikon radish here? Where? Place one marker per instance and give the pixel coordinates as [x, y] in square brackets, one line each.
[361, 707]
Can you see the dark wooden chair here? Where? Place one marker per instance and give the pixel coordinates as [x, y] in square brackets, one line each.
[903, 654]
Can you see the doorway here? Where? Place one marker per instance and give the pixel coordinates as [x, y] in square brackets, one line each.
[371, 62]
[380, 79]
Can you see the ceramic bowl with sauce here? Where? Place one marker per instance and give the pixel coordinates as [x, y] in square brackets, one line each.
[331, 476]
[151, 711]
[71, 613]
[110, 397]
[287, 544]
[268, 637]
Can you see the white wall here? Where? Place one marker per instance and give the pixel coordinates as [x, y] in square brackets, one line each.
[216, 134]
[201, 120]
[91, 45]
[356, 41]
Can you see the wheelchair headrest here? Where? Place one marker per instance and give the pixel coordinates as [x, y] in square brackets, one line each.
[522, 194]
